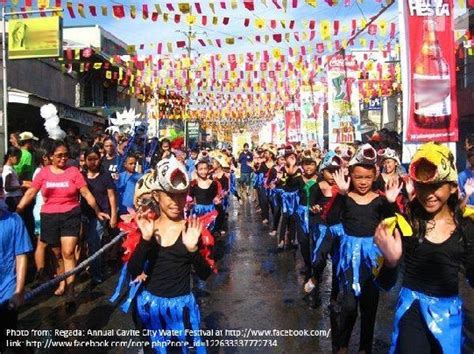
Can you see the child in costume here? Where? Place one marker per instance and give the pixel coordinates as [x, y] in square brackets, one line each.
[435, 242]
[219, 162]
[359, 210]
[274, 190]
[204, 191]
[166, 253]
[325, 193]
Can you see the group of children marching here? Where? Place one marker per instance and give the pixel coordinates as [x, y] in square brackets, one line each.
[355, 207]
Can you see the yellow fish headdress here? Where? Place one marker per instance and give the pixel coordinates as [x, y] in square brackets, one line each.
[433, 163]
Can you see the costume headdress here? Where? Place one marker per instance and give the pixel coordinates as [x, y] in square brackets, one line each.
[388, 153]
[222, 159]
[331, 159]
[171, 176]
[433, 163]
[124, 123]
[365, 155]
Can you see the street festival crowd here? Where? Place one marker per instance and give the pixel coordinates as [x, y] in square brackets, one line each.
[356, 208]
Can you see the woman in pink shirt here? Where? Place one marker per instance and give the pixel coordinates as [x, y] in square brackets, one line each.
[61, 186]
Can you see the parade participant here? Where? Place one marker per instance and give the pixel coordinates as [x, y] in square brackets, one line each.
[111, 159]
[274, 190]
[266, 163]
[219, 162]
[245, 158]
[102, 187]
[434, 243]
[289, 196]
[325, 192]
[359, 210]
[306, 184]
[126, 184]
[191, 162]
[11, 183]
[204, 191]
[169, 247]
[61, 213]
[15, 245]
[466, 175]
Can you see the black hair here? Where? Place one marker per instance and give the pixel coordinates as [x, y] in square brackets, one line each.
[73, 146]
[419, 219]
[246, 145]
[92, 150]
[12, 151]
[55, 145]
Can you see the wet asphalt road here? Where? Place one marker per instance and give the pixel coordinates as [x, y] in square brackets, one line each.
[256, 288]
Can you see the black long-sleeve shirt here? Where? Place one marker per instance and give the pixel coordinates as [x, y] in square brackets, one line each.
[433, 269]
[169, 268]
[359, 220]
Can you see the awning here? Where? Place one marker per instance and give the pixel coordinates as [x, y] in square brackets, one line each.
[64, 111]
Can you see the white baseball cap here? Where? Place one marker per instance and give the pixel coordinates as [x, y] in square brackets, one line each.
[27, 136]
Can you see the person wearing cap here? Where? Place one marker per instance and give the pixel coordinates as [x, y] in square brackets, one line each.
[25, 167]
[435, 240]
[167, 252]
[354, 216]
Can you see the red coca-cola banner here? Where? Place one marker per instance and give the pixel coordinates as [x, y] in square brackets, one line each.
[293, 126]
[431, 82]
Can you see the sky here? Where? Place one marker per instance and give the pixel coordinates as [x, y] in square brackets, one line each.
[138, 31]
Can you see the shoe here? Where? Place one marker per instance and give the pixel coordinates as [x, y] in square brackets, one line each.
[265, 222]
[272, 233]
[281, 246]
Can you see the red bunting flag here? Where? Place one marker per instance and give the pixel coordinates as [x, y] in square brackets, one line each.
[277, 5]
[58, 3]
[225, 21]
[23, 9]
[201, 42]
[277, 37]
[180, 44]
[145, 11]
[154, 16]
[204, 20]
[118, 11]
[28, 3]
[249, 5]
[246, 22]
[93, 10]
[273, 24]
[392, 30]
[354, 27]
[294, 4]
[223, 7]
[312, 23]
[177, 18]
[170, 7]
[197, 6]
[70, 9]
[336, 27]
[292, 24]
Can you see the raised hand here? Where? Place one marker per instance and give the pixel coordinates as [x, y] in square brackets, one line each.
[389, 244]
[410, 188]
[393, 189]
[469, 187]
[342, 183]
[146, 225]
[192, 233]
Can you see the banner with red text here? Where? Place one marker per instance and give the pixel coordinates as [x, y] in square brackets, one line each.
[293, 125]
[429, 78]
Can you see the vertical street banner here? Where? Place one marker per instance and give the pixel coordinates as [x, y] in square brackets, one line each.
[312, 114]
[343, 99]
[293, 125]
[428, 70]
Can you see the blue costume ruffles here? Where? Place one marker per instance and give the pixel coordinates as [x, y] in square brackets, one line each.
[290, 202]
[259, 179]
[274, 195]
[355, 252]
[443, 316]
[318, 233]
[303, 216]
[161, 313]
[201, 209]
[233, 184]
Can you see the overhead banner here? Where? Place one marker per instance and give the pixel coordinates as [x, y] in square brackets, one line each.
[35, 38]
[293, 125]
[343, 100]
[429, 80]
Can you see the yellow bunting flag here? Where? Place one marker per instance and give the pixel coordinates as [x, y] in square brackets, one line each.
[325, 29]
[103, 10]
[108, 74]
[158, 9]
[230, 40]
[190, 20]
[184, 7]
[312, 3]
[43, 4]
[259, 23]
[276, 52]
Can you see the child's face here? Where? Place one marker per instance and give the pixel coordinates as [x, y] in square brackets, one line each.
[362, 179]
[328, 175]
[202, 170]
[14, 159]
[389, 165]
[172, 205]
[92, 162]
[433, 197]
[309, 169]
[130, 164]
